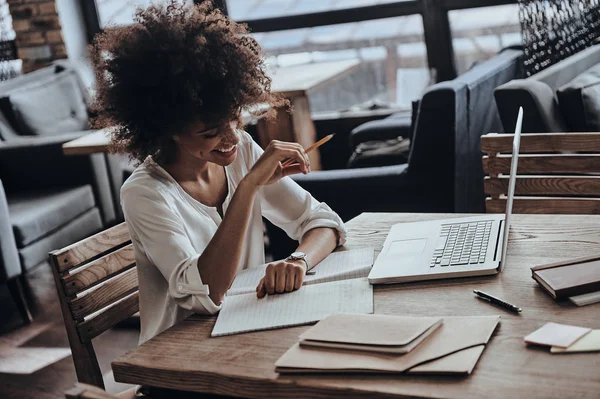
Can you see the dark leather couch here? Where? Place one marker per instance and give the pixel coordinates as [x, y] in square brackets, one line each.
[47, 200]
[444, 172]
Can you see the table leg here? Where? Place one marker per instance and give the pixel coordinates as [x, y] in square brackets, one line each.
[296, 126]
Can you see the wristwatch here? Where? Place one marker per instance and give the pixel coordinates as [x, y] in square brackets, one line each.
[300, 256]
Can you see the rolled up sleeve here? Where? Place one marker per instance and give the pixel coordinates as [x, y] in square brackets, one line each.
[161, 236]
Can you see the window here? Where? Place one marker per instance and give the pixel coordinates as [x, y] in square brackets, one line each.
[480, 33]
[121, 12]
[391, 55]
[391, 52]
[243, 10]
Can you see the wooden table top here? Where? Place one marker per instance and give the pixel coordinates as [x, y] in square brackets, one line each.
[95, 142]
[298, 79]
[186, 358]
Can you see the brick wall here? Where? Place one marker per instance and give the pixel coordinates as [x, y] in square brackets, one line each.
[38, 32]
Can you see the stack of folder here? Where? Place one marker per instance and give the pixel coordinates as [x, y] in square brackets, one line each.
[346, 343]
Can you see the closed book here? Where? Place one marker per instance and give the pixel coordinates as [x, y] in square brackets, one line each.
[370, 332]
[569, 278]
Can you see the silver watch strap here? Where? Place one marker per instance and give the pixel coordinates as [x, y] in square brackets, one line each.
[308, 271]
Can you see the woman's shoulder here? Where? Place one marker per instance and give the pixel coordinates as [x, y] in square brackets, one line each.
[145, 181]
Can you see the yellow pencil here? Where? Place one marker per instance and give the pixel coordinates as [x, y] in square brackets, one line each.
[311, 148]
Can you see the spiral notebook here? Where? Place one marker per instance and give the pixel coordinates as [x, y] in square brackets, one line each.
[245, 313]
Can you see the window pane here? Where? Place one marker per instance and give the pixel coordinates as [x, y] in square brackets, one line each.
[121, 12]
[256, 9]
[390, 53]
[480, 33]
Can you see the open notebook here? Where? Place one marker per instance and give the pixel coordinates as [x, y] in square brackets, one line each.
[343, 265]
[339, 285]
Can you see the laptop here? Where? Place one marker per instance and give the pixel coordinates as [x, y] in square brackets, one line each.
[448, 248]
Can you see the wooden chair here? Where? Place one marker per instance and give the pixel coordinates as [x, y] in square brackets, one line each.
[85, 391]
[97, 285]
[558, 173]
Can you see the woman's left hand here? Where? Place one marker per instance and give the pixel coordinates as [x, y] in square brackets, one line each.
[281, 276]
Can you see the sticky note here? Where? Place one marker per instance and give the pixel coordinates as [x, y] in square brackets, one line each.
[588, 343]
[554, 334]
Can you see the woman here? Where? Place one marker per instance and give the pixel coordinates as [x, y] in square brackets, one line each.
[175, 83]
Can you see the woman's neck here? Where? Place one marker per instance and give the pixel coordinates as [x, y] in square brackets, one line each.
[186, 169]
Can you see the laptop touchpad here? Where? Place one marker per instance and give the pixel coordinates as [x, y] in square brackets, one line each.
[403, 247]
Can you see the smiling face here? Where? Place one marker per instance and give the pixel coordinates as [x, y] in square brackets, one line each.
[216, 144]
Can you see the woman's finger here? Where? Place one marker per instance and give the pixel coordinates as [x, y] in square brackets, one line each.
[290, 278]
[280, 275]
[260, 289]
[298, 279]
[269, 279]
[292, 152]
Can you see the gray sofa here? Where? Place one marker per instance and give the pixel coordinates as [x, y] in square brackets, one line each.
[537, 94]
[47, 200]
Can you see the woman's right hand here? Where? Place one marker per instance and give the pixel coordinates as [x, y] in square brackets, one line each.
[268, 169]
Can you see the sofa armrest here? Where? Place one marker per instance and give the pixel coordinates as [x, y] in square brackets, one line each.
[10, 266]
[38, 162]
[350, 192]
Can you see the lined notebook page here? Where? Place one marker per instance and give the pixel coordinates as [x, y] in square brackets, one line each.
[343, 265]
[245, 313]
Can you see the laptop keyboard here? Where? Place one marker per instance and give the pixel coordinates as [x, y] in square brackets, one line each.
[462, 244]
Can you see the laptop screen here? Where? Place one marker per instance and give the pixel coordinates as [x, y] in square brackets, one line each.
[511, 185]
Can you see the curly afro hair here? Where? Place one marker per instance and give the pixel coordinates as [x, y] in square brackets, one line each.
[174, 66]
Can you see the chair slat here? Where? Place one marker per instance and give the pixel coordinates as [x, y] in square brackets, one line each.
[542, 142]
[95, 326]
[99, 270]
[545, 164]
[541, 205]
[76, 254]
[545, 185]
[106, 294]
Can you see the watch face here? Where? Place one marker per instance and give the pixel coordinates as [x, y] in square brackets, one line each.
[298, 255]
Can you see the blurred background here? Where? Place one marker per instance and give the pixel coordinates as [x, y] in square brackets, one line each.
[392, 51]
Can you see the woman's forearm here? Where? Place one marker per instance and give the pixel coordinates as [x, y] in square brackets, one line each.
[318, 243]
[219, 260]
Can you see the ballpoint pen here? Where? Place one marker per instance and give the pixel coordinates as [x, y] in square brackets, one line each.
[496, 301]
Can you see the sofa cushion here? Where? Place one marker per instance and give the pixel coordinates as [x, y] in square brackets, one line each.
[36, 214]
[52, 105]
[79, 228]
[579, 101]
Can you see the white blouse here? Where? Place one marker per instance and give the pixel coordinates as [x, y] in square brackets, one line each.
[169, 230]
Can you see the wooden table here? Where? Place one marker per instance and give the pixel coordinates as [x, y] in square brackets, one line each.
[97, 141]
[184, 357]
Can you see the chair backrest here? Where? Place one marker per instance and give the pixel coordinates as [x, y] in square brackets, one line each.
[85, 391]
[558, 173]
[97, 286]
